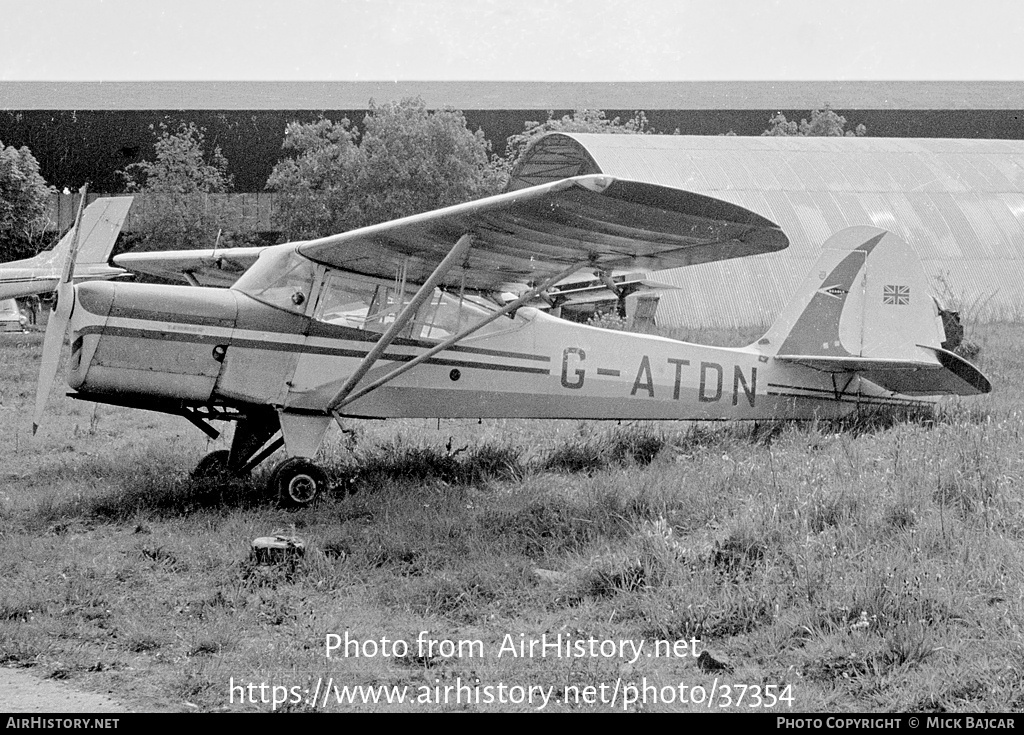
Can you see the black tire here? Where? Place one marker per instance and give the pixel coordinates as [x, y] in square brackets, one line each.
[214, 466]
[297, 482]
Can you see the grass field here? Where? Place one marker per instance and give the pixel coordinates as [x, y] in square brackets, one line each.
[874, 565]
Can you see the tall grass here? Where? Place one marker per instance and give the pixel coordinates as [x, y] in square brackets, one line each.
[872, 564]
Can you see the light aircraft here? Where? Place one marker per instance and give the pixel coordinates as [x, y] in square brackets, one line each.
[94, 233]
[401, 319]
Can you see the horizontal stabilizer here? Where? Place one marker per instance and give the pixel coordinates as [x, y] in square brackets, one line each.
[947, 374]
[963, 378]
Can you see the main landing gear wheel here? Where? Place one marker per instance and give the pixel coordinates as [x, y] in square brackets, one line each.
[214, 466]
[297, 482]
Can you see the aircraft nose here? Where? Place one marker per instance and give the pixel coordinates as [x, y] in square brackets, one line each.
[91, 305]
[94, 299]
[150, 341]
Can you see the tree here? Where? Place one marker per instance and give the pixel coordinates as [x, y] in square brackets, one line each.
[179, 214]
[317, 180]
[582, 121]
[405, 160]
[824, 122]
[23, 200]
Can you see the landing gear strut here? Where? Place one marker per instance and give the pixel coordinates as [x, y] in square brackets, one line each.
[297, 482]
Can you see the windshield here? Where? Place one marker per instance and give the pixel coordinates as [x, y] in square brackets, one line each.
[281, 278]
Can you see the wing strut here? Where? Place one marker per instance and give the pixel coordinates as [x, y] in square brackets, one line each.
[337, 405]
[458, 250]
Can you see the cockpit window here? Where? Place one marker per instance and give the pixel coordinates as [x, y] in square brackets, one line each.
[280, 278]
[362, 303]
[446, 314]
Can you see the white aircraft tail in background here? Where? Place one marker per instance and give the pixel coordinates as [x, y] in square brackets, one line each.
[97, 232]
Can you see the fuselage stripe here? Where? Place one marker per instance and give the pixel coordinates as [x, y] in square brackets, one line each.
[296, 347]
[170, 316]
[319, 330]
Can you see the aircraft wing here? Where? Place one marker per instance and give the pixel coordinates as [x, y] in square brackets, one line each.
[535, 233]
[945, 373]
[218, 267]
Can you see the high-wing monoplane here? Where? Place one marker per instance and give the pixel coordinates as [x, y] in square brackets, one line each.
[94, 233]
[402, 319]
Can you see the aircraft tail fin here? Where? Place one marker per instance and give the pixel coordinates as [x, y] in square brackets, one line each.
[101, 224]
[98, 230]
[867, 308]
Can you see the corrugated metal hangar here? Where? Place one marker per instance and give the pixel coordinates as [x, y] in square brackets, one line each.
[959, 203]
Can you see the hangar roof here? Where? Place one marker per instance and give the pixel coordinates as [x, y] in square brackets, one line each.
[959, 203]
[254, 95]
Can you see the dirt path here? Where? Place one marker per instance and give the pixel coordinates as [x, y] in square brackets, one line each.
[22, 691]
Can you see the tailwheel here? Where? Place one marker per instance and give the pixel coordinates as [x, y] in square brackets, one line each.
[298, 482]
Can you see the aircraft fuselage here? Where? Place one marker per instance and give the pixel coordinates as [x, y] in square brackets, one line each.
[213, 346]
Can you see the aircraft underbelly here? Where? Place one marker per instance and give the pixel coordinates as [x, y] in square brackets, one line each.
[124, 381]
[425, 402]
